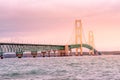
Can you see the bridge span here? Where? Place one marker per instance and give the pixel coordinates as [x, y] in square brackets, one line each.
[20, 48]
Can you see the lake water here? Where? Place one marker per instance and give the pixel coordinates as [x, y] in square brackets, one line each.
[105, 67]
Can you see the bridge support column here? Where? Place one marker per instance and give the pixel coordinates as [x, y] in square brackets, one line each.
[91, 52]
[62, 53]
[66, 50]
[19, 54]
[49, 53]
[70, 54]
[1, 55]
[54, 51]
[76, 52]
[43, 53]
[81, 51]
[34, 54]
[59, 52]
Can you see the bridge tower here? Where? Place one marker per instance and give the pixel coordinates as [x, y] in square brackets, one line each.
[78, 36]
[91, 42]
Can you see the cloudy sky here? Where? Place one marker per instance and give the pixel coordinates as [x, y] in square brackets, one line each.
[52, 21]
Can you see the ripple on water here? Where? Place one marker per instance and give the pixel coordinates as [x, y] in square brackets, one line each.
[62, 68]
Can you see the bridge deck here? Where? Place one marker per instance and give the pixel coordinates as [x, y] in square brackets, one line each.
[30, 44]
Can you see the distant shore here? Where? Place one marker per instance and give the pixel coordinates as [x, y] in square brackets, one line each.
[110, 52]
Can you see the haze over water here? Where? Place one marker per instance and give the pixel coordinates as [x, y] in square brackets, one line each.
[61, 68]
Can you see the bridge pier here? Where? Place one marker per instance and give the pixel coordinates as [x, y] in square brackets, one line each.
[1, 55]
[43, 52]
[76, 52]
[66, 50]
[54, 51]
[19, 54]
[70, 54]
[49, 53]
[62, 53]
[81, 52]
[91, 52]
[34, 54]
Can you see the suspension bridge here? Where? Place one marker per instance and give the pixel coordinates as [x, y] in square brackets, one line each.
[61, 50]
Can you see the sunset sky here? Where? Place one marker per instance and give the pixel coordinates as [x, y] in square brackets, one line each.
[52, 21]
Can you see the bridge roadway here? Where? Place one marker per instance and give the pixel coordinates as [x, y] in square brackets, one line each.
[20, 48]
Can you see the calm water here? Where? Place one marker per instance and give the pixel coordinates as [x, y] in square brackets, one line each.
[61, 68]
